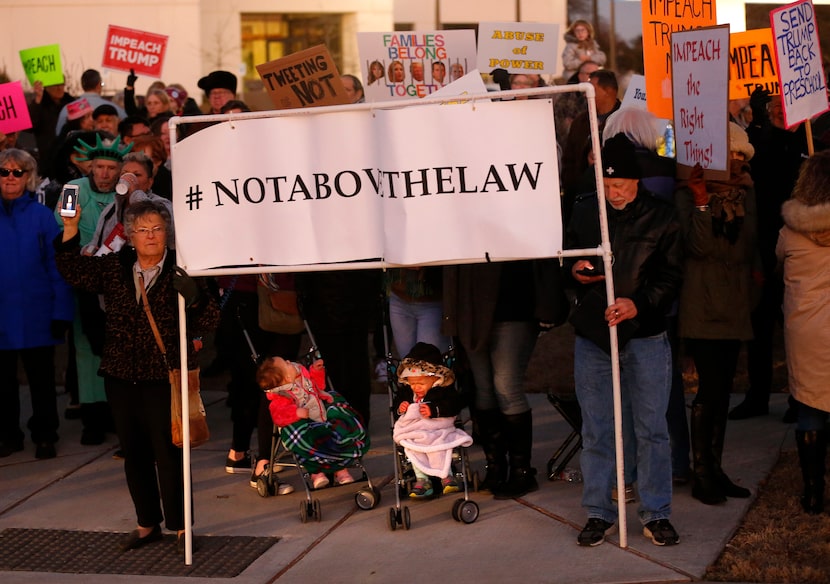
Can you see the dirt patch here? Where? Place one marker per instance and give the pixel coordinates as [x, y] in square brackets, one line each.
[777, 541]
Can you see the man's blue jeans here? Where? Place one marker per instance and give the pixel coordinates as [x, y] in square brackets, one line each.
[645, 377]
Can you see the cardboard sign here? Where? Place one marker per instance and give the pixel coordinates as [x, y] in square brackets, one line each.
[406, 65]
[661, 18]
[518, 47]
[752, 63]
[798, 59]
[700, 78]
[14, 113]
[127, 48]
[43, 64]
[635, 94]
[308, 78]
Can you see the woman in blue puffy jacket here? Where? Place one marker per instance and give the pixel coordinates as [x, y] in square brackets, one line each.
[35, 306]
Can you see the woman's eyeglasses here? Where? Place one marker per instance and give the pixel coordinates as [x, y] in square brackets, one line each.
[17, 172]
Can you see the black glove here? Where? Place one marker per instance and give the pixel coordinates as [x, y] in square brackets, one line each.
[186, 286]
[502, 77]
[59, 328]
[132, 78]
[758, 104]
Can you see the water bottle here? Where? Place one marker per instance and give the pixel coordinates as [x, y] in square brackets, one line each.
[669, 138]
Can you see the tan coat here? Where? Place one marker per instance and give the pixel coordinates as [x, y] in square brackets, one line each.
[804, 250]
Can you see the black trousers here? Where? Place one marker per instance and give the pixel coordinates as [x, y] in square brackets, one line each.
[152, 464]
[246, 398]
[39, 365]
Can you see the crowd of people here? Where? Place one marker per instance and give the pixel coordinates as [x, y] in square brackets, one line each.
[696, 271]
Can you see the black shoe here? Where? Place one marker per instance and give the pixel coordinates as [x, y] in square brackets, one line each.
[708, 492]
[135, 541]
[92, 437]
[520, 483]
[243, 465]
[732, 490]
[661, 532]
[9, 448]
[747, 409]
[595, 531]
[118, 455]
[45, 450]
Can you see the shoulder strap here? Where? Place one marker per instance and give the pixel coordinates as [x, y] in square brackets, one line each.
[152, 320]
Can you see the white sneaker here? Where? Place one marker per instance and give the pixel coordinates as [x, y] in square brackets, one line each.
[284, 489]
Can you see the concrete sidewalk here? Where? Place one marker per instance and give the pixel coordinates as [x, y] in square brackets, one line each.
[527, 540]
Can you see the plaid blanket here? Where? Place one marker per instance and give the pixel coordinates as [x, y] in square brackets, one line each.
[330, 445]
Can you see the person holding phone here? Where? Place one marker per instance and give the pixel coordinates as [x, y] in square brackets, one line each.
[35, 307]
[95, 192]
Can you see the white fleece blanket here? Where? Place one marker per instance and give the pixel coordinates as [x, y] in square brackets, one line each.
[428, 442]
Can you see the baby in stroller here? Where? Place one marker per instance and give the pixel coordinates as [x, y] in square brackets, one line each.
[318, 426]
[428, 404]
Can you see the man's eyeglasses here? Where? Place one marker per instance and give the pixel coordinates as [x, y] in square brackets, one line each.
[17, 172]
[144, 231]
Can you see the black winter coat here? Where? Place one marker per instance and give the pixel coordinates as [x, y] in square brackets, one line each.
[648, 257]
[130, 349]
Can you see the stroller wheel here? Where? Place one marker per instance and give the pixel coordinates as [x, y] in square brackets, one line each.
[406, 520]
[316, 510]
[456, 504]
[304, 511]
[263, 488]
[367, 499]
[467, 511]
[393, 518]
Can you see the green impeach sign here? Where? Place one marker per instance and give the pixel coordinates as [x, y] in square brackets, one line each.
[43, 64]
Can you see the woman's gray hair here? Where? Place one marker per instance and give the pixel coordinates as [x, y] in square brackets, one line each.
[25, 161]
[142, 209]
[638, 125]
[142, 159]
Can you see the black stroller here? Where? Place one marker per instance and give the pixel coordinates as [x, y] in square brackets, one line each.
[366, 498]
[464, 509]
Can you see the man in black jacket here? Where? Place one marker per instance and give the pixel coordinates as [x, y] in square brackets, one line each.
[647, 270]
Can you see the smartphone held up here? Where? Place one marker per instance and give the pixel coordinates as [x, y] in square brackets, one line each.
[69, 201]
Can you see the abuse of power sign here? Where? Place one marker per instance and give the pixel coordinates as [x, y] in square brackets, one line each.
[127, 48]
[798, 55]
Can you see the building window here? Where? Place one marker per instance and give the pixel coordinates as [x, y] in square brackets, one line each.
[268, 36]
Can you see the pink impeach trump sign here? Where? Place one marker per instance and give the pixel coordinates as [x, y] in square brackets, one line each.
[127, 48]
[14, 114]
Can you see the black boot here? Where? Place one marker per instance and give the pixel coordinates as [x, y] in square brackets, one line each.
[522, 478]
[488, 428]
[704, 488]
[729, 488]
[812, 450]
[97, 420]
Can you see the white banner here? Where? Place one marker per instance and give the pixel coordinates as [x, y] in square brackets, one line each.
[419, 184]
